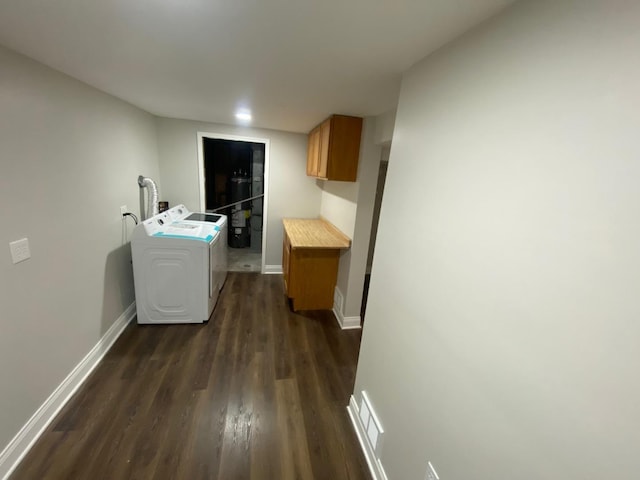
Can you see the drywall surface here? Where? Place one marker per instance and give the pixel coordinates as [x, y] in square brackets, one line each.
[69, 158]
[384, 127]
[291, 192]
[349, 206]
[501, 338]
[339, 204]
[370, 155]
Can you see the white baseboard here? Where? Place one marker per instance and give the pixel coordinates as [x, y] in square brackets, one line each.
[272, 270]
[346, 323]
[375, 467]
[349, 323]
[20, 445]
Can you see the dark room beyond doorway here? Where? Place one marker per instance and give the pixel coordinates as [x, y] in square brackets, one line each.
[233, 173]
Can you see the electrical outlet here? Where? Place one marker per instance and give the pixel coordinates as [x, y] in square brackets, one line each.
[20, 250]
[431, 473]
[123, 209]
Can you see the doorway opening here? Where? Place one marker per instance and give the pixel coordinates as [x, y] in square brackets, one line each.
[233, 181]
[382, 176]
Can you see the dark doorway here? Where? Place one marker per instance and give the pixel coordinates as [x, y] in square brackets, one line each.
[382, 176]
[233, 173]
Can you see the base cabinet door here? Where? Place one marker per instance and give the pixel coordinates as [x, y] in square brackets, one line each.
[310, 277]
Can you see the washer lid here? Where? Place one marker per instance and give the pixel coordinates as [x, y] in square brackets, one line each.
[204, 217]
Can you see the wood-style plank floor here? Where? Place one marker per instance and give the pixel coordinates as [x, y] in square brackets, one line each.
[258, 392]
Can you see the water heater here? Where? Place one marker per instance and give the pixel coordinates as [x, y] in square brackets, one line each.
[240, 216]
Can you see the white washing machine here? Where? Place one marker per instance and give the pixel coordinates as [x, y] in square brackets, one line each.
[179, 267]
[183, 214]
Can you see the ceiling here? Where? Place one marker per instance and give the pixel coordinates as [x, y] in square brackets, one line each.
[291, 62]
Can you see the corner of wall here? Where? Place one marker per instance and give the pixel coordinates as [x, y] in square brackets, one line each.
[273, 270]
[345, 323]
[385, 123]
[353, 267]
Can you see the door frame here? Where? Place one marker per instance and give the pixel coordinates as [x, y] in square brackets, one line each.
[265, 179]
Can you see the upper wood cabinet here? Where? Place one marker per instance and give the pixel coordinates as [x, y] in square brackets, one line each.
[334, 148]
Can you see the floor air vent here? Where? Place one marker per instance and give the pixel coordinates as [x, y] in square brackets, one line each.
[371, 424]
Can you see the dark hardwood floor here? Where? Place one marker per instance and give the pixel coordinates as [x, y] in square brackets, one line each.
[258, 392]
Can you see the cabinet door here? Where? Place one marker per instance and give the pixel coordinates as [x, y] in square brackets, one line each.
[334, 149]
[310, 163]
[313, 152]
[313, 274]
[323, 156]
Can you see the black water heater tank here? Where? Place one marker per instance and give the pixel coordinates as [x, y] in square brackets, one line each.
[240, 215]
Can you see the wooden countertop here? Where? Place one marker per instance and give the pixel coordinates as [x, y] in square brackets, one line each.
[314, 233]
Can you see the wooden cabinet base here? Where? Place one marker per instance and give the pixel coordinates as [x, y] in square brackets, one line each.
[310, 259]
[312, 278]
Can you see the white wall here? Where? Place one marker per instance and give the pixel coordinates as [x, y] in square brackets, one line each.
[370, 155]
[69, 157]
[502, 329]
[349, 206]
[339, 204]
[385, 123]
[291, 192]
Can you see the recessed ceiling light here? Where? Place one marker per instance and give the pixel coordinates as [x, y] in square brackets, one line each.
[243, 116]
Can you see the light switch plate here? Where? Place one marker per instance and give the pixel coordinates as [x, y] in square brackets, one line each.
[20, 250]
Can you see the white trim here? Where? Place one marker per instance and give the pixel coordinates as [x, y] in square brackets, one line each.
[20, 445]
[383, 474]
[265, 201]
[375, 466]
[349, 323]
[272, 269]
[345, 323]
